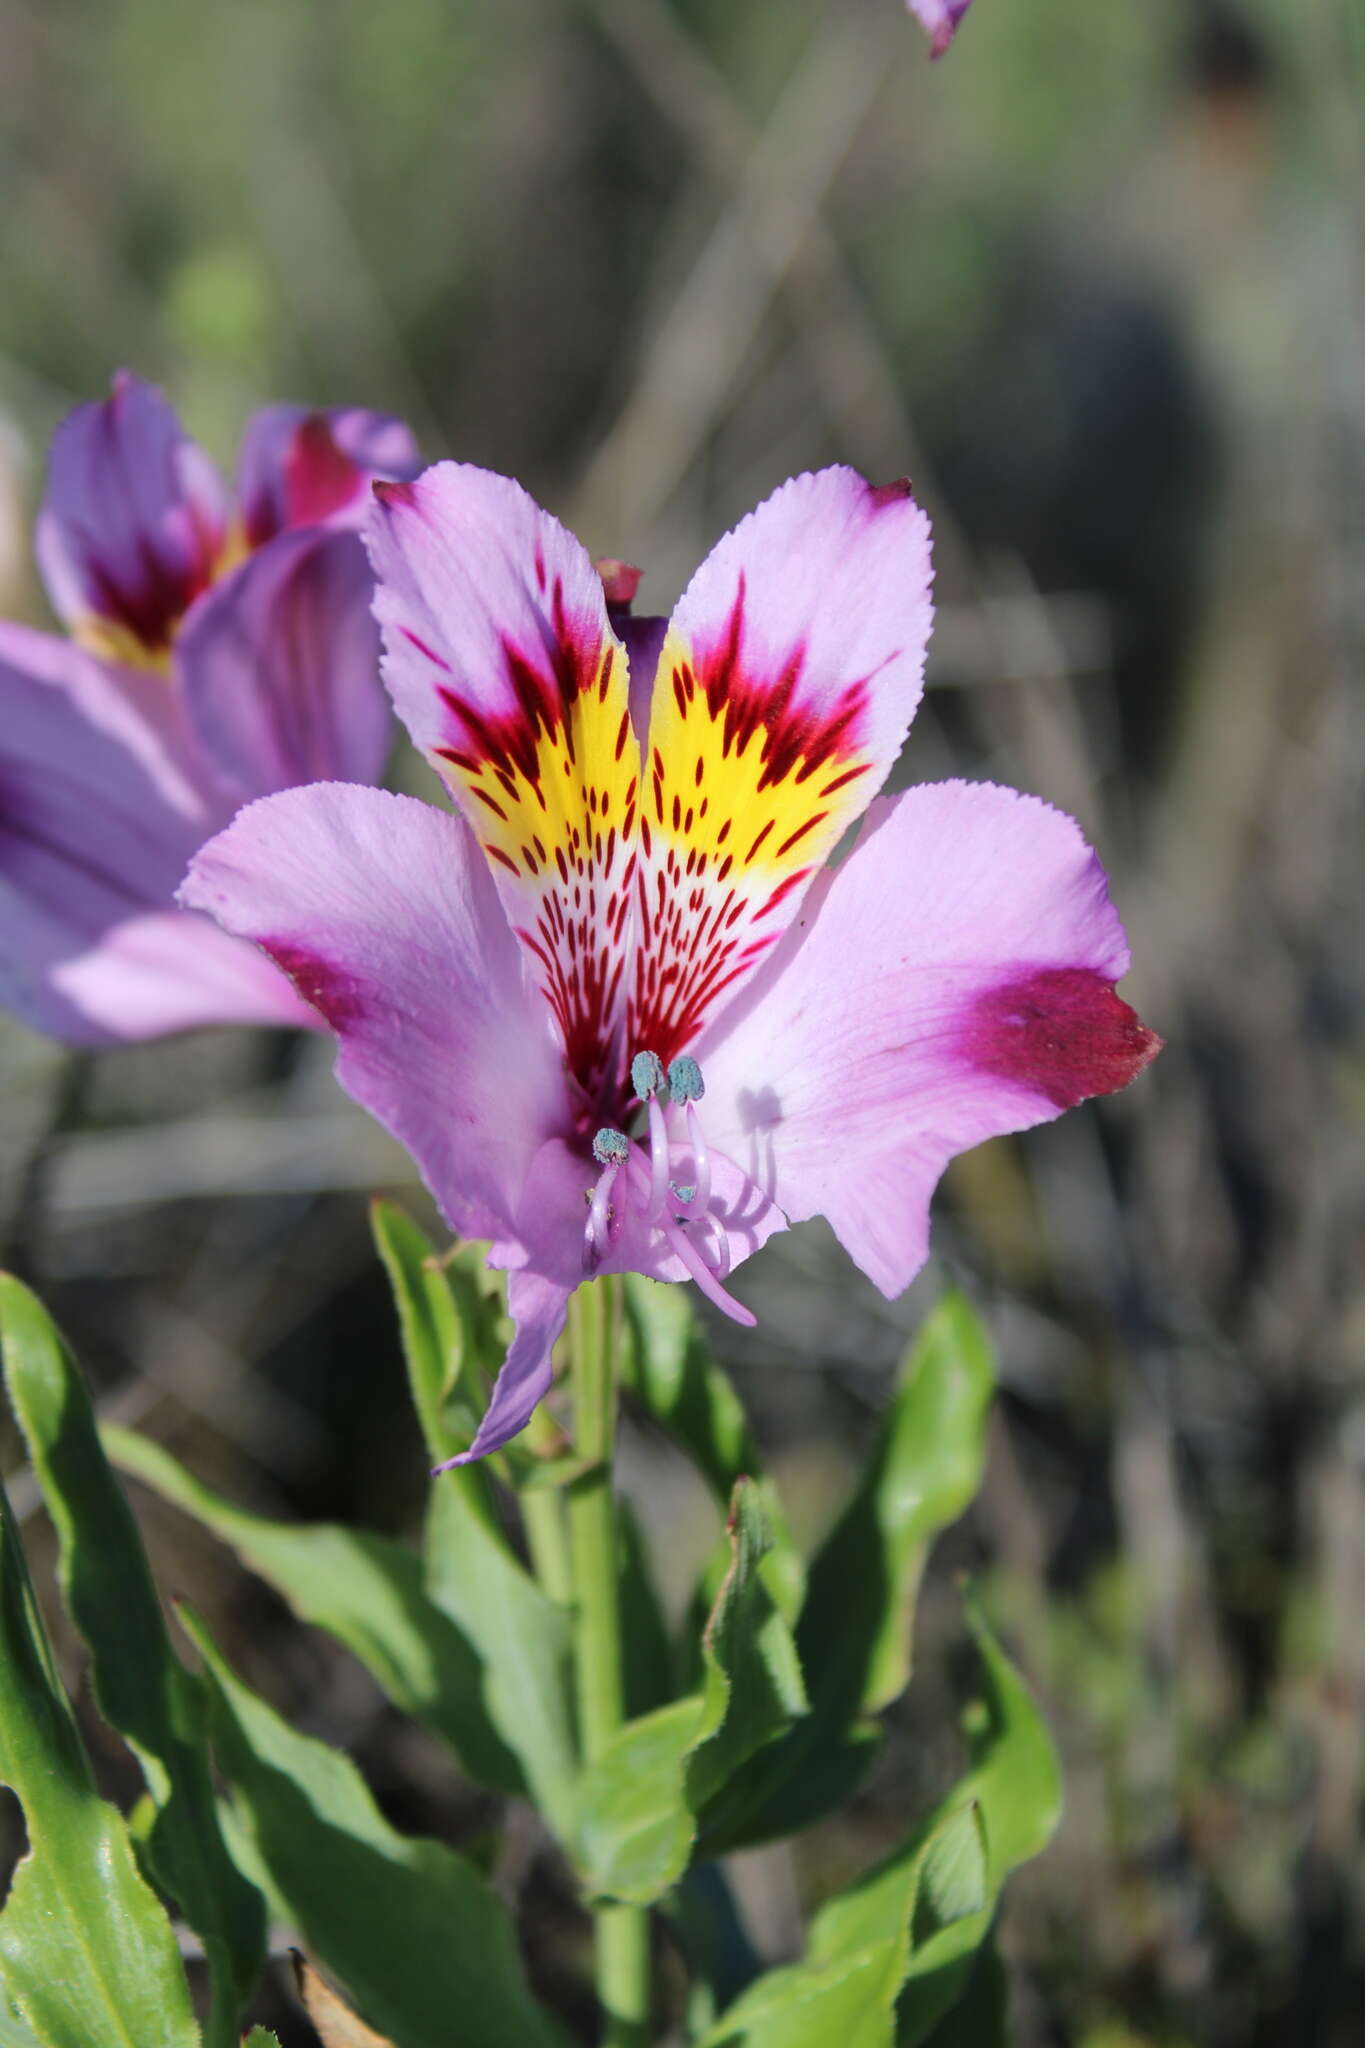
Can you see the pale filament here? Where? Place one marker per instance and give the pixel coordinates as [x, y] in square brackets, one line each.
[633, 1175]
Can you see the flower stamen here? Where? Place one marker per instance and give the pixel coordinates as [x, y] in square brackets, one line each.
[705, 1276]
[611, 1150]
[648, 1079]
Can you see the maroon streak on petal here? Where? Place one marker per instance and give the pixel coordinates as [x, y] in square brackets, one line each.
[1061, 1031]
[331, 993]
[399, 492]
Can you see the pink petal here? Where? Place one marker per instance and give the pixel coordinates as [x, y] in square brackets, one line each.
[133, 522]
[502, 665]
[549, 1229]
[382, 913]
[278, 667]
[99, 812]
[940, 19]
[539, 1308]
[546, 1258]
[791, 670]
[952, 981]
[302, 468]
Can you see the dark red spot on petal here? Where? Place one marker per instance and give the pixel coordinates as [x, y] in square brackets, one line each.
[332, 994]
[396, 494]
[1061, 1031]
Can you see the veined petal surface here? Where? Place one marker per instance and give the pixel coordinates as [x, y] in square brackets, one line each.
[133, 523]
[278, 668]
[302, 468]
[502, 664]
[953, 980]
[381, 911]
[789, 675]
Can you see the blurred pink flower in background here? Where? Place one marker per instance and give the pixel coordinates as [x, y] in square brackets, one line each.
[219, 650]
[619, 1010]
[940, 19]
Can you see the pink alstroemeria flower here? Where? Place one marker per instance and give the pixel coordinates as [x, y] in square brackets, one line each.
[215, 656]
[940, 20]
[619, 1010]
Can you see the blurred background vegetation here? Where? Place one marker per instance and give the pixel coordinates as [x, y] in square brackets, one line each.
[1097, 281]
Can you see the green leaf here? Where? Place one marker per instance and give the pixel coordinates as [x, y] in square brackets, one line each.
[952, 1880]
[752, 1687]
[889, 1958]
[261, 2037]
[520, 1636]
[671, 1373]
[14, 2032]
[635, 1827]
[446, 1323]
[854, 1631]
[365, 1590]
[639, 1802]
[142, 1688]
[86, 1951]
[425, 1949]
[924, 1470]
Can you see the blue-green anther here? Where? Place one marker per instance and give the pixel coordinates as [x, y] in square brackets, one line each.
[684, 1079]
[684, 1195]
[647, 1076]
[610, 1148]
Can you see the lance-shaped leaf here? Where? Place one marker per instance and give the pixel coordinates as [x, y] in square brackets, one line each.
[86, 1951]
[670, 1370]
[143, 1689]
[520, 1636]
[365, 1590]
[448, 1323]
[412, 1929]
[924, 1470]
[889, 1958]
[638, 1804]
[855, 1627]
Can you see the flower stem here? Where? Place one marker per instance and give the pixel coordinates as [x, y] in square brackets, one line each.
[623, 1977]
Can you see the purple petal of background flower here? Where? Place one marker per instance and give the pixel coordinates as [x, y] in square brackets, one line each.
[100, 808]
[940, 19]
[134, 519]
[278, 668]
[302, 468]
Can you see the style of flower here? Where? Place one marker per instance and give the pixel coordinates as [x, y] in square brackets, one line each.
[619, 1009]
[218, 652]
[940, 19]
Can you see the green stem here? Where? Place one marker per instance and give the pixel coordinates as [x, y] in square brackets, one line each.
[623, 1977]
